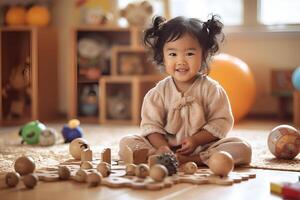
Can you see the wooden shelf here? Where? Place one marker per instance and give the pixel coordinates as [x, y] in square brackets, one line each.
[39, 47]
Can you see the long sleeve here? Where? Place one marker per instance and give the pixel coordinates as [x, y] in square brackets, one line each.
[219, 116]
[153, 113]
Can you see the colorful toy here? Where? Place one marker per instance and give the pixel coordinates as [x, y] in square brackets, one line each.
[31, 132]
[284, 142]
[47, 137]
[76, 146]
[72, 131]
[137, 14]
[15, 16]
[221, 163]
[89, 100]
[286, 190]
[239, 86]
[38, 16]
[296, 78]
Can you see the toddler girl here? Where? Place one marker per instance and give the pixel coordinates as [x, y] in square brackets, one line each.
[187, 113]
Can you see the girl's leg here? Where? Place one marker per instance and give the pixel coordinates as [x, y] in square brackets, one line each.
[134, 142]
[239, 149]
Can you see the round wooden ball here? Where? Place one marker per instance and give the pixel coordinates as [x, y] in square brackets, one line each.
[24, 165]
[86, 165]
[30, 180]
[94, 179]
[76, 146]
[64, 172]
[130, 169]
[190, 168]
[12, 179]
[142, 170]
[158, 172]
[221, 163]
[81, 175]
[104, 169]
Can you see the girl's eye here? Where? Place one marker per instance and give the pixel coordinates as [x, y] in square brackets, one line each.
[172, 54]
[190, 54]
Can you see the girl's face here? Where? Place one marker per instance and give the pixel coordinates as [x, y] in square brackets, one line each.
[182, 59]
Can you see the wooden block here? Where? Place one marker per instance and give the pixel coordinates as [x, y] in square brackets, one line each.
[128, 158]
[140, 156]
[106, 155]
[86, 155]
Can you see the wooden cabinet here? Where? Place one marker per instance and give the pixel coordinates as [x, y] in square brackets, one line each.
[28, 65]
[109, 88]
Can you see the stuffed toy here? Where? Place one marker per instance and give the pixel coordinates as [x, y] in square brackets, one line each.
[16, 92]
[94, 51]
[137, 14]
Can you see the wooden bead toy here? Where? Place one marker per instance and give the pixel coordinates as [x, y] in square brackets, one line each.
[190, 167]
[86, 165]
[106, 155]
[158, 172]
[30, 180]
[130, 169]
[142, 170]
[221, 163]
[64, 172]
[76, 146]
[94, 179]
[12, 179]
[24, 165]
[104, 169]
[80, 176]
[86, 155]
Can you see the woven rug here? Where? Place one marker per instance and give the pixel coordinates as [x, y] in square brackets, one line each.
[100, 137]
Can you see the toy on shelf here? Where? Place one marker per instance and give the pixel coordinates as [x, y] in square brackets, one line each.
[284, 142]
[17, 92]
[31, 132]
[93, 52]
[89, 100]
[137, 14]
[296, 78]
[131, 64]
[72, 130]
[38, 16]
[15, 15]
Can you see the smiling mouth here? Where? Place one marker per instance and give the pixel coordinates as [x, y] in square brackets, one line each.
[181, 70]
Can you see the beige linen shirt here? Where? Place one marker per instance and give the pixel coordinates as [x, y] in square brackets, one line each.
[176, 115]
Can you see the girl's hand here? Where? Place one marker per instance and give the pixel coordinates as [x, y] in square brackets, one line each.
[188, 146]
[164, 149]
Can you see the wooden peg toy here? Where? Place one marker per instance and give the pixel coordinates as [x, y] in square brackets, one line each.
[130, 169]
[94, 179]
[86, 155]
[106, 155]
[142, 170]
[30, 180]
[140, 156]
[104, 168]
[24, 165]
[12, 179]
[152, 160]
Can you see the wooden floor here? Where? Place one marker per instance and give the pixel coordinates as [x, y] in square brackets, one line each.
[258, 188]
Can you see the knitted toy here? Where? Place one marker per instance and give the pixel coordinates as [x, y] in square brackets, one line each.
[169, 161]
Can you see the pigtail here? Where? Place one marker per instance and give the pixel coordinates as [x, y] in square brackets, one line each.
[151, 34]
[213, 28]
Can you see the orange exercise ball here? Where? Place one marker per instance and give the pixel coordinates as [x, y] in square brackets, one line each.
[38, 16]
[15, 15]
[237, 80]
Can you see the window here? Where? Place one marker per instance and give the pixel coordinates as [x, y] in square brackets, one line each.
[273, 12]
[230, 11]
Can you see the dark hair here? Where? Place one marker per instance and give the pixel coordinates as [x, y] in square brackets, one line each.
[162, 31]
